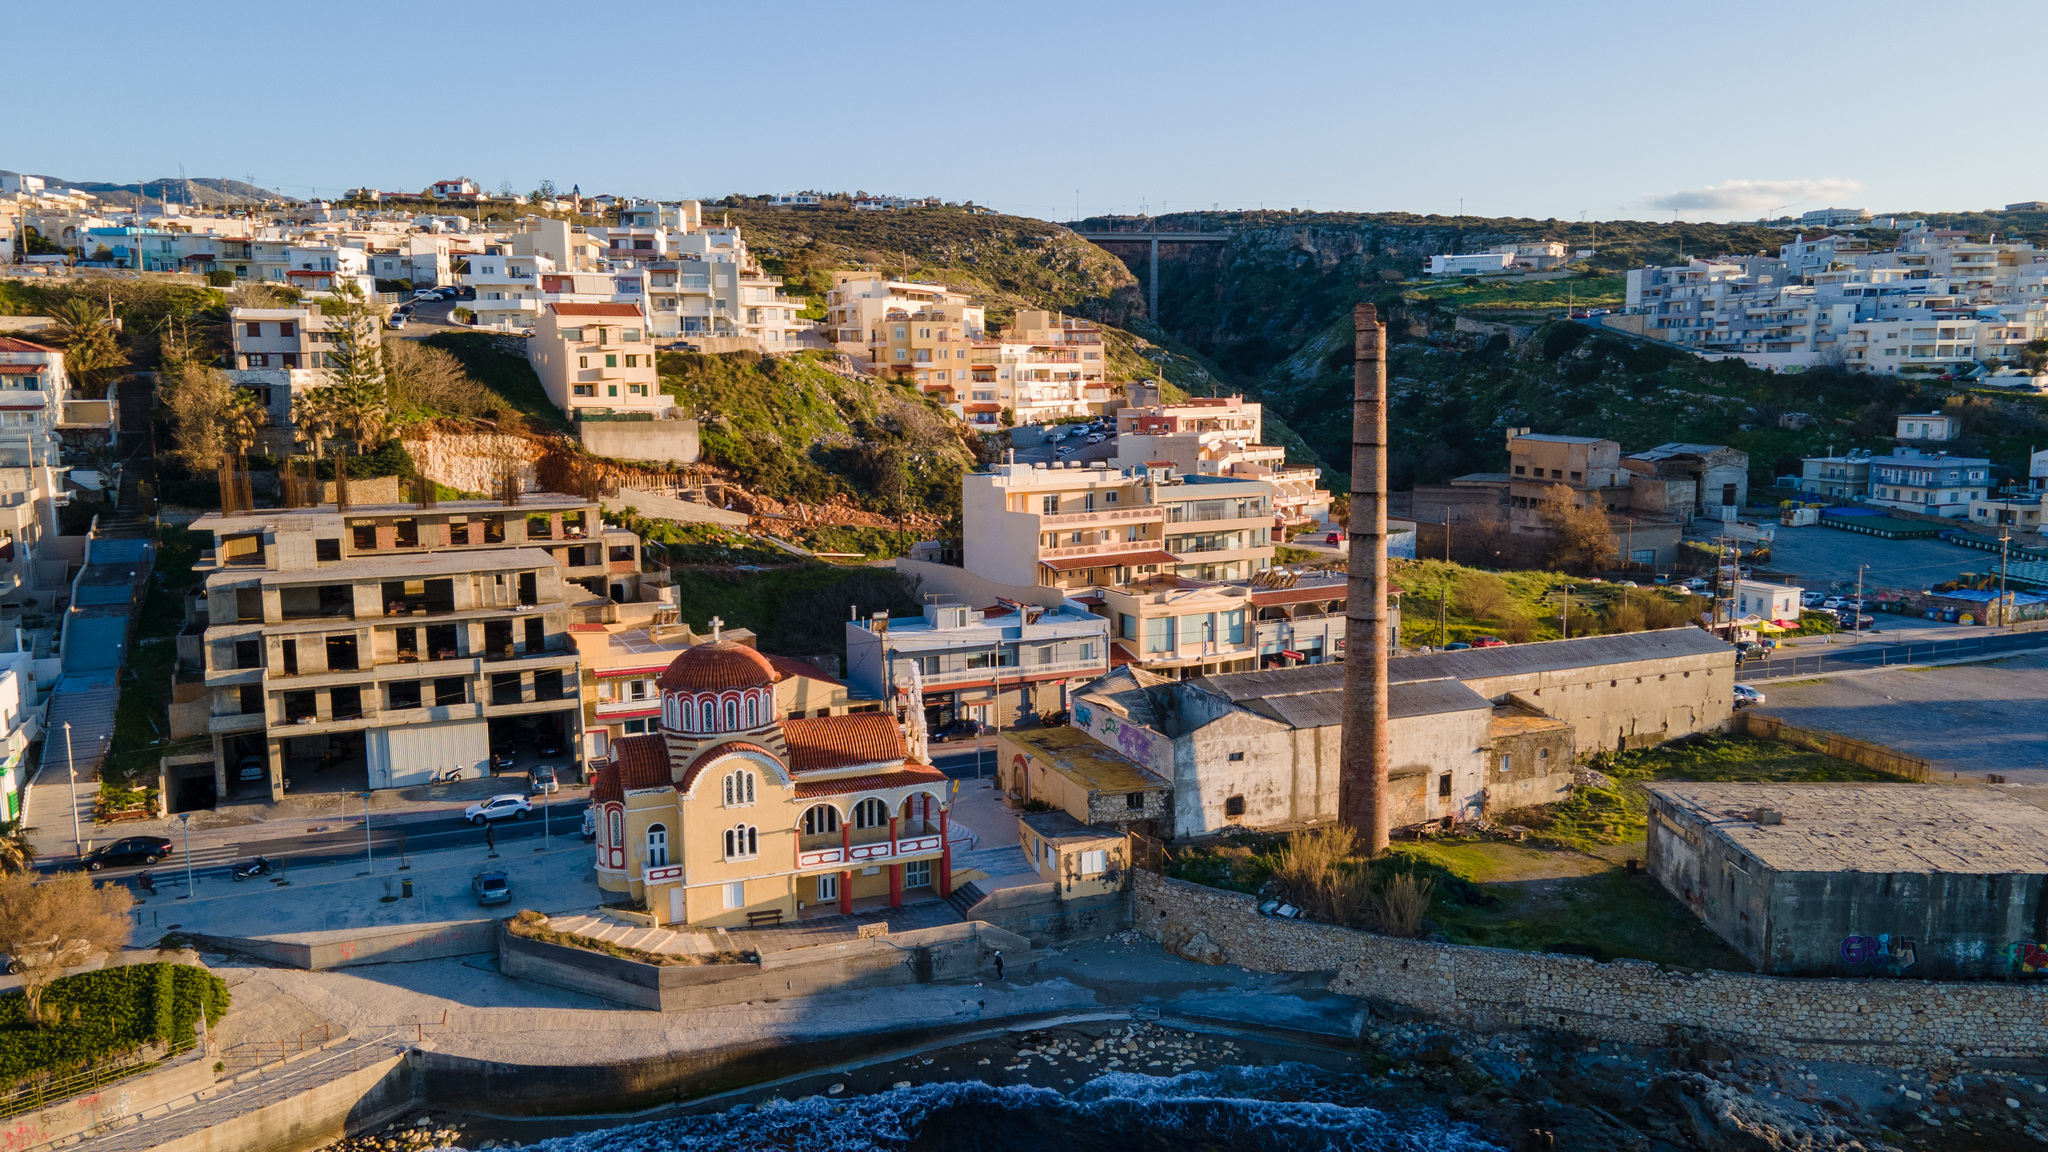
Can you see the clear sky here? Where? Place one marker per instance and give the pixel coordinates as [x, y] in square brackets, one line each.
[1716, 111]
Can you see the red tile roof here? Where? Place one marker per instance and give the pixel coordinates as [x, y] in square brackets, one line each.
[848, 785]
[641, 762]
[586, 628]
[23, 369]
[714, 667]
[14, 344]
[803, 668]
[713, 753]
[632, 310]
[842, 741]
[604, 786]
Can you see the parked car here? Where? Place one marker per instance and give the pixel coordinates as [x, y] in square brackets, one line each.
[959, 730]
[128, 850]
[1333, 537]
[1747, 697]
[548, 745]
[1488, 642]
[1064, 450]
[1056, 719]
[426, 293]
[1095, 437]
[491, 888]
[1832, 603]
[590, 823]
[1456, 646]
[545, 782]
[396, 321]
[509, 804]
[251, 768]
[1857, 621]
[1626, 584]
[1812, 599]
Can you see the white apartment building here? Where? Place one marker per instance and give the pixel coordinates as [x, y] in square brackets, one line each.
[1938, 484]
[993, 668]
[508, 287]
[316, 269]
[596, 357]
[1216, 436]
[860, 300]
[1066, 527]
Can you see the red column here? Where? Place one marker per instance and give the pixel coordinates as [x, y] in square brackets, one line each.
[945, 858]
[892, 835]
[895, 885]
[846, 877]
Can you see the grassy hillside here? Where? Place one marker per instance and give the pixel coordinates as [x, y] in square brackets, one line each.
[802, 428]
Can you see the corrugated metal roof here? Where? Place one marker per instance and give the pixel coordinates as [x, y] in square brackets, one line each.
[1322, 709]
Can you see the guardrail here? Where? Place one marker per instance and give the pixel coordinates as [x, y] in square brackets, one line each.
[38, 1092]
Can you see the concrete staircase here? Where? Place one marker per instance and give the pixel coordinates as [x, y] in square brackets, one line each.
[51, 800]
[603, 926]
[964, 898]
[995, 862]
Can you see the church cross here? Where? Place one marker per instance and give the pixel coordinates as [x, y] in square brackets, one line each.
[716, 624]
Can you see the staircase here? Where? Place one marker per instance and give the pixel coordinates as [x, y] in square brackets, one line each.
[51, 798]
[964, 898]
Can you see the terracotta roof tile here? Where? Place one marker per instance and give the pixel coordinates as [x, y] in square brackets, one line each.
[847, 785]
[14, 344]
[604, 786]
[713, 753]
[641, 761]
[713, 667]
[596, 309]
[821, 742]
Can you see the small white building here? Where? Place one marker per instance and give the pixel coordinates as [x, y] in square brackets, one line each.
[1471, 264]
[1770, 601]
[1927, 426]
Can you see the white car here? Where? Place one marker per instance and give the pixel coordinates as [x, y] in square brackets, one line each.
[509, 804]
[1095, 437]
[1813, 599]
[1833, 603]
[1747, 697]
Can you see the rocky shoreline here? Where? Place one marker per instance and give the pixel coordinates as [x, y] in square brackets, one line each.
[1522, 1091]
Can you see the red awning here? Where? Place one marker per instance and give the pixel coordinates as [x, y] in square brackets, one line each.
[23, 369]
[1114, 560]
[983, 407]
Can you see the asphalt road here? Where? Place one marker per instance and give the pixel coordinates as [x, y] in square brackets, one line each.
[563, 821]
[1866, 654]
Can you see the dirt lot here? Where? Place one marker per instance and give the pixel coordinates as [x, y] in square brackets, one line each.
[1969, 719]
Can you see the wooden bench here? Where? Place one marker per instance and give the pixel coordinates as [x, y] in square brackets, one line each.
[769, 916]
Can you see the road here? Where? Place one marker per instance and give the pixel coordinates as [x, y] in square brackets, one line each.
[1867, 654]
[337, 840]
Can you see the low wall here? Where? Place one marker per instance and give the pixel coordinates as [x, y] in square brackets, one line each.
[354, 1101]
[922, 956]
[1036, 913]
[1862, 752]
[669, 441]
[346, 947]
[120, 1100]
[1892, 1022]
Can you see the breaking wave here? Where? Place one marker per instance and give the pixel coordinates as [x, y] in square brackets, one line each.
[1290, 1107]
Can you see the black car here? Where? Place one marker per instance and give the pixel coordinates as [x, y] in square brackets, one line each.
[130, 850]
[549, 746]
[959, 730]
[502, 758]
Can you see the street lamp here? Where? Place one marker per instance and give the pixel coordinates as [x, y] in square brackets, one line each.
[185, 818]
[71, 769]
[369, 854]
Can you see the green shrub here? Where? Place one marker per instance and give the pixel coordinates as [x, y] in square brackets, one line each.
[94, 1015]
[220, 278]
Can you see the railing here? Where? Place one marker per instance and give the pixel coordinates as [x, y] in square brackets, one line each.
[1113, 548]
[1153, 513]
[627, 707]
[39, 1092]
[661, 873]
[880, 850]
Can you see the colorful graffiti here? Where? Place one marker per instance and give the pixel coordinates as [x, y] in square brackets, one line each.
[1894, 954]
[2026, 958]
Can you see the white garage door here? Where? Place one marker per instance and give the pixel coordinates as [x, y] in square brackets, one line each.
[413, 754]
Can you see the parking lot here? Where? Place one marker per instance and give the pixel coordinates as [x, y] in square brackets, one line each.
[1826, 559]
[1968, 719]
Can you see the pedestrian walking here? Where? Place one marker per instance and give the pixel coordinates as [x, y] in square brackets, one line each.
[999, 965]
[491, 837]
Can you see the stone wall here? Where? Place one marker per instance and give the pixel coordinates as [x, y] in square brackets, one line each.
[1877, 1021]
[668, 441]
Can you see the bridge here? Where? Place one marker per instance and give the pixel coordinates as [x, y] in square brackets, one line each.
[1155, 239]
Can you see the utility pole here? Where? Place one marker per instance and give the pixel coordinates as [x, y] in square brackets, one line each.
[2004, 551]
[1366, 753]
[369, 854]
[1856, 615]
[186, 819]
[1565, 610]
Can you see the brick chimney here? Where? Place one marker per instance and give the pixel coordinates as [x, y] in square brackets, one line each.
[1362, 774]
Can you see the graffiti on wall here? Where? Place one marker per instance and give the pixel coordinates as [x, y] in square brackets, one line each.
[1892, 953]
[1133, 740]
[2026, 958]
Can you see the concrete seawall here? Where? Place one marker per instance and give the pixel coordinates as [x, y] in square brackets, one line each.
[346, 947]
[1901, 1023]
[922, 956]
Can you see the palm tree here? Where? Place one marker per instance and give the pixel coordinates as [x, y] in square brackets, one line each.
[17, 855]
[92, 352]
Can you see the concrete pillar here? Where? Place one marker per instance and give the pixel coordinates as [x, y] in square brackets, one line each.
[846, 893]
[1362, 776]
[945, 858]
[1152, 284]
[895, 885]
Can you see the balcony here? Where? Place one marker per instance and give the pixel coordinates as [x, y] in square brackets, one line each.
[1112, 548]
[869, 853]
[523, 304]
[1121, 515]
[1015, 672]
[607, 708]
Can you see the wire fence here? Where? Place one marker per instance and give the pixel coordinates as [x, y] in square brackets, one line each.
[38, 1092]
[1857, 658]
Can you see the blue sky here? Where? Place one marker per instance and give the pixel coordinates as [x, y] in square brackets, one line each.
[1718, 111]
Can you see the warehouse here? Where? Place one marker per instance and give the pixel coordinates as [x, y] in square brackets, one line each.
[1909, 880]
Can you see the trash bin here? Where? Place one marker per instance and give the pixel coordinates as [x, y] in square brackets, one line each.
[407, 888]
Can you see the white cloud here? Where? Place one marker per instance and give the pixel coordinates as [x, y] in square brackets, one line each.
[1749, 197]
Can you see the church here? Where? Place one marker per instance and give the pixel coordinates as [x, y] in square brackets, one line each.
[732, 815]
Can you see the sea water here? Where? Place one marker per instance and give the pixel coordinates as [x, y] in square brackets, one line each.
[1283, 1107]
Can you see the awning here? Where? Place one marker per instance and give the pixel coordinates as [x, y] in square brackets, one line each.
[1113, 560]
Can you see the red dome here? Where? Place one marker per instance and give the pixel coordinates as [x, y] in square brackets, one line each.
[715, 667]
